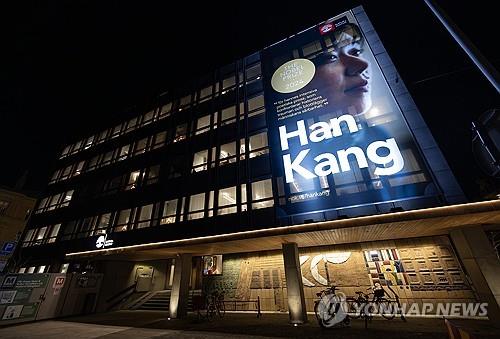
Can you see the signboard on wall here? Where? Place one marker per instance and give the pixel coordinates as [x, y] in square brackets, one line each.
[338, 138]
[212, 264]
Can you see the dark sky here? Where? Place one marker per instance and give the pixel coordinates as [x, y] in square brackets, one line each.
[73, 66]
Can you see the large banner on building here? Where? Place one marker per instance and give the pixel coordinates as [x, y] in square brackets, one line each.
[338, 138]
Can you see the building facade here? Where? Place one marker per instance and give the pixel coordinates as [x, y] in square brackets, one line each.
[260, 180]
[15, 208]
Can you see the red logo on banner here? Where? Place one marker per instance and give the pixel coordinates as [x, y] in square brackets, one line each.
[326, 28]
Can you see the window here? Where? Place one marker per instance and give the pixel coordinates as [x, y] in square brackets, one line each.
[180, 132]
[93, 163]
[202, 125]
[41, 269]
[196, 206]
[227, 201]
[123, 153]
[116, 131]
[102, 136]
[145, 214]
[205, 93]
[200, 160]
[77, 146]
[89, 142]
[54, 231]
[228, 115]
[65, 151]
[256, 105]
[27, 238]
[141, 146]
[67, 198]
[165, 110]
[79, 168]
[102, 224]
[227, 153]
[40, 235]
[69, 229]
[66, 172]
[133, 180]
[132, 124]
[169, 212]
[228, 82]
[148, 118]
[64, 268]
[262, 194]
[31, 270]
[123, 220]
[107, 158]
[86, 227]
[257, 145]
[253, 71]
[113, 185]
[159, 140]
[153, 175]
[21, 270]
[55, 176]
[3, 206]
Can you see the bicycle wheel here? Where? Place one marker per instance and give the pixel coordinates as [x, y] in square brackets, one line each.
[355, 307]
[221, 309]
[387, 308]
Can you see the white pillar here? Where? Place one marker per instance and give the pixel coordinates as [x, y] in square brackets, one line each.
[180, 286]
[294, 287]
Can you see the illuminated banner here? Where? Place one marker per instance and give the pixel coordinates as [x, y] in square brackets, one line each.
[338, 138]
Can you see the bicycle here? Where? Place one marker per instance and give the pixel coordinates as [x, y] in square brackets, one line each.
[330, 308]
[365, 305]
[215, 305]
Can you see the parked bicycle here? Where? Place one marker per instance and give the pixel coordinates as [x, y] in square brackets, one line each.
[215, 305]
[364, 305]
[331, 308]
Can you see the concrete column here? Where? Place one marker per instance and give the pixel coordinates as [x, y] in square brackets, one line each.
[180, 286]
[295, 290]
[482, 266]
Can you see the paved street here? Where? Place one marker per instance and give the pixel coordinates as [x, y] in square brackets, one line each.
[152, 324]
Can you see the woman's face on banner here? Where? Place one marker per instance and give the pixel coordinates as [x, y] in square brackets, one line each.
[345, 76]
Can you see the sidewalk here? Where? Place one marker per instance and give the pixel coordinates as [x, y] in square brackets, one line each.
[153, 324]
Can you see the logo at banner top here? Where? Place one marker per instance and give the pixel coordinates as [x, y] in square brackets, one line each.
[326, 28]
[293, 75]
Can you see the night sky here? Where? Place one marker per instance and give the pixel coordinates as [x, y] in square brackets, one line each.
[75, 66]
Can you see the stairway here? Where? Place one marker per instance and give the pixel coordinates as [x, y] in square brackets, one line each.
[160, 301]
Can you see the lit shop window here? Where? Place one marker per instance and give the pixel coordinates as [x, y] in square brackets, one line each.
[123, 220]
[228, 115]
[196, 206]
[169, 212]
[262, 194]
[21, 270]
[180, 132]
[31, 270]
[200, 161]
[41, 269]
[227, 201]
[145, 216]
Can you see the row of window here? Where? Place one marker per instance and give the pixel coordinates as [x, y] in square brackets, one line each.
[203, 124]
[256, 195]
[55, 201]
[253, 73]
